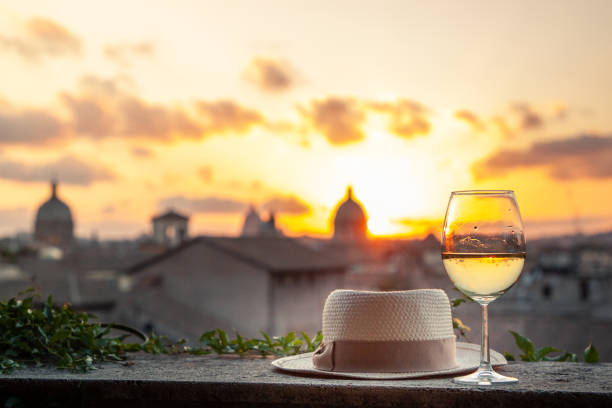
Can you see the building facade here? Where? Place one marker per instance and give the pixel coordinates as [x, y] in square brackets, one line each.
[54, 224]
[245, 284]
[350, 221]
[170, 229]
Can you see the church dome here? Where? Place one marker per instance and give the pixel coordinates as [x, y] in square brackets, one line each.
[54, 223]
[54, 209]
[350, 220]
[252, 223]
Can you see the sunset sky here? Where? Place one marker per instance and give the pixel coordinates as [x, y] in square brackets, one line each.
[207, 107]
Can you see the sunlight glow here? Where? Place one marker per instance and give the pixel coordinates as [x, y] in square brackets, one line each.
[139, 117]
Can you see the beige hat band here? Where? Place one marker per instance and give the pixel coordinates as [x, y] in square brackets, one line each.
[386, 356]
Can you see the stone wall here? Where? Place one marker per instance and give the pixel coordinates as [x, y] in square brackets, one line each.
[188, 381]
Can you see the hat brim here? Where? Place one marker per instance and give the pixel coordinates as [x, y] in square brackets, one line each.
[468, 360]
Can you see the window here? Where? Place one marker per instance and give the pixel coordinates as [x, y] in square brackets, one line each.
[584, 290]
[547, 291]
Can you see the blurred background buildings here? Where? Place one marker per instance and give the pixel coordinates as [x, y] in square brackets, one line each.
[202, 152]
[180, 285]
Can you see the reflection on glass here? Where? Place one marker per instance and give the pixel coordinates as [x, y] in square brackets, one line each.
[483, 251]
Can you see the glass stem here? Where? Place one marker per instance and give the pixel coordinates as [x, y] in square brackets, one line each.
[485, 360]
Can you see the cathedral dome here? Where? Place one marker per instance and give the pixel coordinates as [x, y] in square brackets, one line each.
[252, 223]
[54, 209]
[350, 220]
[54, 224]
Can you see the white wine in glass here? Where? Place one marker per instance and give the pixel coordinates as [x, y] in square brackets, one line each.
[483, 251]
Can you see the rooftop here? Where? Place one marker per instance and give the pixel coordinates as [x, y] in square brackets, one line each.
[170, 215]
[276, 254]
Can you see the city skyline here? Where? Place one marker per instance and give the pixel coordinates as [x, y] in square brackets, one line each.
[284, 105]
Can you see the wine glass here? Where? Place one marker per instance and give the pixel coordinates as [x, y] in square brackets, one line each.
[483, 251]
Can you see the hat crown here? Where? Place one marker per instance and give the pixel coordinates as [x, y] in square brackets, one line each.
[411, 315]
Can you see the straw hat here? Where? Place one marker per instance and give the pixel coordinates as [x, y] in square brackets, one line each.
[387, 335]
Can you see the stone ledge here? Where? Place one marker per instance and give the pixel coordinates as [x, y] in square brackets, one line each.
[191, 381]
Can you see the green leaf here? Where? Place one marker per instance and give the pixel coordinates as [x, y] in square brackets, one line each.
[318, 339]
[544, 351]
[567, 356]
[462, 328]
[307, 340]
[240, 345]
[288, 339]
[207, 335]
[591, 355]
[463, 297]
[508, 356]
[211, 340]
[238, 341]
[296, 345]
[268, 340]
[47, 310]
[525, 345]
[198, 351]
[457, 302]
[222, 337]
[42, 334]
[47, 334]
[59, 335]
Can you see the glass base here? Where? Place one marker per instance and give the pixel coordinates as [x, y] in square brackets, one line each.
[485, 375]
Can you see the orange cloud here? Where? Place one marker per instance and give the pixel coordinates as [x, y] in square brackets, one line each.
[111, 108]
[31, 127]
[130, 117]
[471, 119]
[69, 170]
[286, 205]
[224, 205]
[122, 54]
[90, 116]
[210, 205]
[407, 118]
[522, 117]
[108, 107]
[581, 156]
[338, 119]
[529, 119]
[142, 119]
[95, 105]
[225, 116]
[270, 74]
[110, 87]
[43, 38]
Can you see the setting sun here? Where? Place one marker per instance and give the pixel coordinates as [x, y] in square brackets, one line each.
[141, 118]
[187, 170]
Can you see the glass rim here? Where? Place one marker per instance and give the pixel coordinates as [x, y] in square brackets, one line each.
[483, 192]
